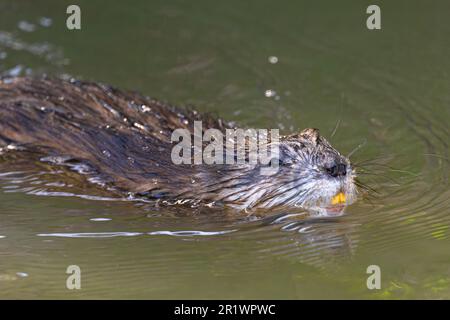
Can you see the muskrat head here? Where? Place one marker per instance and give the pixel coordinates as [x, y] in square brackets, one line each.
[311, 175]
[320, 178]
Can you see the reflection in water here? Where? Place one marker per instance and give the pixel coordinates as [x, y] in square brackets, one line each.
[319, 242]
[91, 234]
[44, 50]
[396, 99]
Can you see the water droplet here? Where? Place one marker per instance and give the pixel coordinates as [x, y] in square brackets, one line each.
[22, 274]
[140, 126]
[45, 22]
[270, 93]
[100, 219]
[145, 108]
[26, 26]
[273, 59]
[106, 153]
[11, 147]
[14, 72]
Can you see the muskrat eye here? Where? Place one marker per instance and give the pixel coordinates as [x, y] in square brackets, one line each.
[284, 162]
[339, 169]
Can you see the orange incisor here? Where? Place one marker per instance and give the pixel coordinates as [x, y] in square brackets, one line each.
[338, 199]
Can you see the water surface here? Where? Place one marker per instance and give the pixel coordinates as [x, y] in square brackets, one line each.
[386, 91]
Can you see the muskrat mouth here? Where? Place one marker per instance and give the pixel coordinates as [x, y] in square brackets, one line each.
[338, 199]
[338, 204]
[335, 209]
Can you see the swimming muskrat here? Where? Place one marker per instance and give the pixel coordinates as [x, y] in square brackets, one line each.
[125, 139]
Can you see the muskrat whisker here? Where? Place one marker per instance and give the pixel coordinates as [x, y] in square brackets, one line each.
[368, 167]
[405, 171]
[372, 159]
[369, 197]
[361, 185]
[366, 191]
[365, 187]
[362, 144]
[388, 167]
[335, 128]
[338, 122]
[381, 175]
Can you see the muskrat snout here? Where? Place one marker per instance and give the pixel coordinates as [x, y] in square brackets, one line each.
[337, 170]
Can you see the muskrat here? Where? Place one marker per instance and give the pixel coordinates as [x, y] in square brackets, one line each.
[125, 140]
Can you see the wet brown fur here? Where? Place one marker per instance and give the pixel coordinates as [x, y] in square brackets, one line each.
[123, 136]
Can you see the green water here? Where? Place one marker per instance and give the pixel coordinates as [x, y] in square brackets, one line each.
[387, 90]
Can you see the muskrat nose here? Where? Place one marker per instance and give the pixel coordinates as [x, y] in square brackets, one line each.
[339, 169]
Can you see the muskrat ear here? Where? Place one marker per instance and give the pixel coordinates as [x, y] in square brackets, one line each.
[310, 134]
